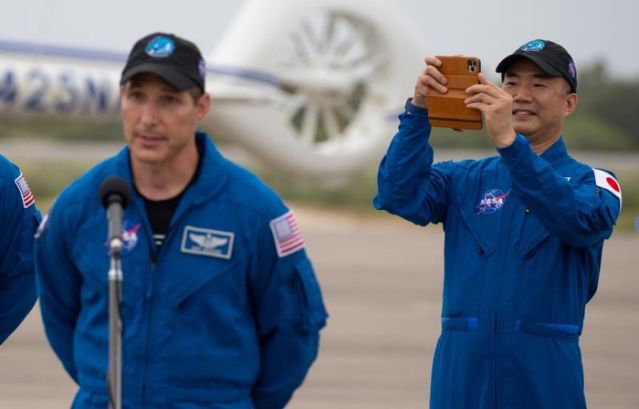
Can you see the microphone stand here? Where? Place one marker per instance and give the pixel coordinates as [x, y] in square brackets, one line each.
[114, 379]
[115, 194]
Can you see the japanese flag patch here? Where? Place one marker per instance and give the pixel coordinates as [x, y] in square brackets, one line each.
[25, 191]
[606, 181]
[286, 234]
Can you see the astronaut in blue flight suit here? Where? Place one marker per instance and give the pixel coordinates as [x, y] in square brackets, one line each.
[18, 221]
[221, 308]
[524, 233]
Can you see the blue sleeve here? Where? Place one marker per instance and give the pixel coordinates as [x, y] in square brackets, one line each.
[578, 212]
[18, 221]
[408, 184]
[290, 312]
[58, 284]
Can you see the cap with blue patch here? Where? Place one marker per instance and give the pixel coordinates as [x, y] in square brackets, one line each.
[176, 60]
[552, 58]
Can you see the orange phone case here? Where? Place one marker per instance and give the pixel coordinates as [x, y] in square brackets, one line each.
[448, 110]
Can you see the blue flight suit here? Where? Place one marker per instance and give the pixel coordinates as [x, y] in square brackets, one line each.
[523, 242]
[224, 316]
[19, 219]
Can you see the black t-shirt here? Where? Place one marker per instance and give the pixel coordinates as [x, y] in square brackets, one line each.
[160, 213]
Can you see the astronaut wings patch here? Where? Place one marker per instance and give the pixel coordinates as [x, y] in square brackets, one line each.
[606, 181]
[286, 234]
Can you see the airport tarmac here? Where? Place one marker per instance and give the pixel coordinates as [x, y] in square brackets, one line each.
[382, 284]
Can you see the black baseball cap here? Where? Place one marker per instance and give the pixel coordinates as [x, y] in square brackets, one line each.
[552, 58]
[176, 60]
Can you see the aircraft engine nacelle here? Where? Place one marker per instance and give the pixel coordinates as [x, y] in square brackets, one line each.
[339, 75]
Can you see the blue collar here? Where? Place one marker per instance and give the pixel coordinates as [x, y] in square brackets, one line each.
[556, 153]
[213, 175]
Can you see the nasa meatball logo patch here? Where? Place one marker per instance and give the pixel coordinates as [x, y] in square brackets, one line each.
[491, 202]
[129, 236]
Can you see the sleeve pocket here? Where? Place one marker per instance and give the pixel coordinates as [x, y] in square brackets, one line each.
[312, 311]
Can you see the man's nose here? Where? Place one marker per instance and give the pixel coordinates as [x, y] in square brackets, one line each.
[149, 115]
[522, 94]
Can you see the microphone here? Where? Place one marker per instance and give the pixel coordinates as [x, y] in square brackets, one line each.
[115, 195]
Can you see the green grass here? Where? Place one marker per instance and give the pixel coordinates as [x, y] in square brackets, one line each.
[52, 129]
[48, 178]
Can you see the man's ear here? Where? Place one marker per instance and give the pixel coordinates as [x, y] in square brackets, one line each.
[572, 101]
[202, 106]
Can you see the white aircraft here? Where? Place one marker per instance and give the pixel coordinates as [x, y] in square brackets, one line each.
[311, 87]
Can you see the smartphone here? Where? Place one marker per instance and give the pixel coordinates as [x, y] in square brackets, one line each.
[448, 110]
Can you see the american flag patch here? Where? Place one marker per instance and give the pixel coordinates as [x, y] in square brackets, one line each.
[286, 234]
[25, 191]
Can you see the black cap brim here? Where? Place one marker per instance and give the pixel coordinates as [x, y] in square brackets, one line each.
[167, 73]
[540, 62]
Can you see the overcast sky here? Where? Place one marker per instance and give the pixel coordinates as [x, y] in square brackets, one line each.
[589, 29]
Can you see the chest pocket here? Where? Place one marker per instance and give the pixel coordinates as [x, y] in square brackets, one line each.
[214, 280]
[484, 237]
[91, 256]
[533, 234]
[484, 225]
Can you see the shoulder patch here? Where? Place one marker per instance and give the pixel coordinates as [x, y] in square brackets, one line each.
[606, 181]
[25, 191]
[286, 234]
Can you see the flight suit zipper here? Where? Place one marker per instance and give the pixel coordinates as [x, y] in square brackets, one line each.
[506, 219]
[148, 301]
[155, 256]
